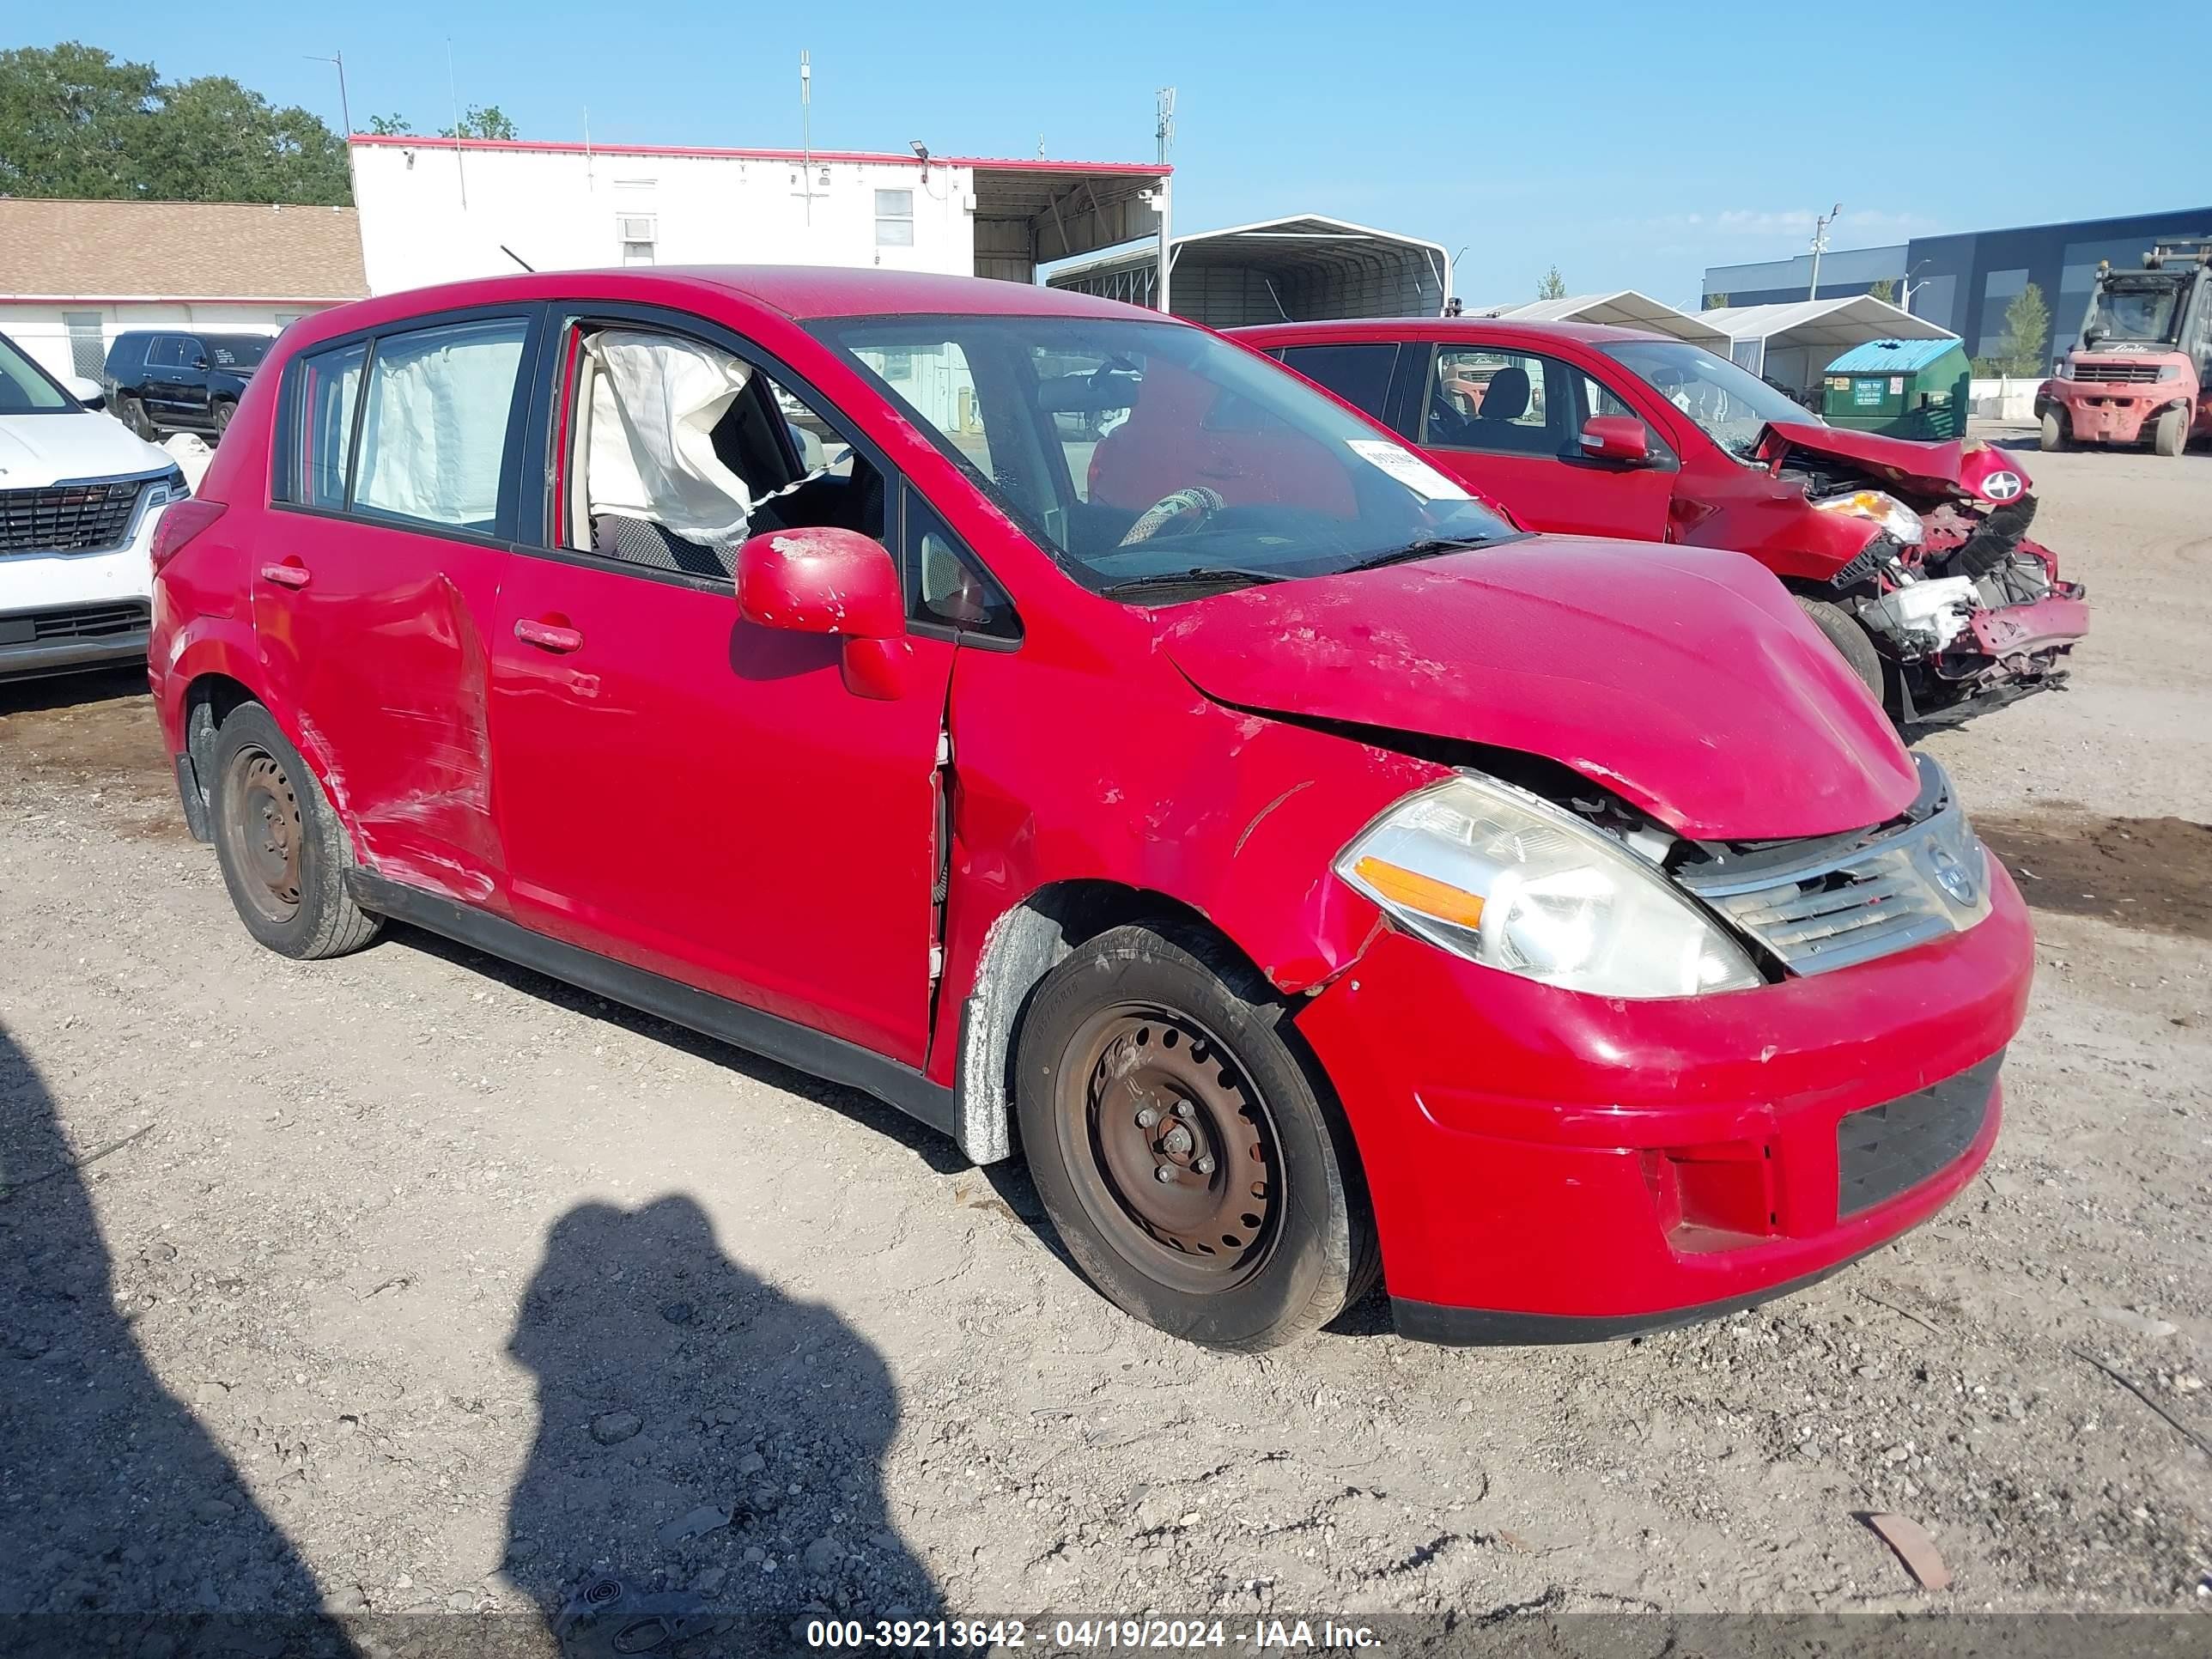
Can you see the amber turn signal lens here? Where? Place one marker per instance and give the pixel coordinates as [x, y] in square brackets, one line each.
[1419, 892]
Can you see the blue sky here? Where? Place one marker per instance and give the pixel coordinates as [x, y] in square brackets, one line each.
[1633, 145]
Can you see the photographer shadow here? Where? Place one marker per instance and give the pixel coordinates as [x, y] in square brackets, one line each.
[706, 1445]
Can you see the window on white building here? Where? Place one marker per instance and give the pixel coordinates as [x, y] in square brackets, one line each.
[88, 346]
[639, 234]
[894, 218]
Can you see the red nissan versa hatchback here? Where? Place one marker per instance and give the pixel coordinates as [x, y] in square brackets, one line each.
[1310, 874]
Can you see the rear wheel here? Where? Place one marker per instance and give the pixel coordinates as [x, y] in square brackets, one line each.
[2171, 432]
[1849, 640]
[1186, 1152]
[282, 851]
[2054, 434]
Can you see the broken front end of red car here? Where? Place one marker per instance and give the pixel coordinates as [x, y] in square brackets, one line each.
[1967, 611]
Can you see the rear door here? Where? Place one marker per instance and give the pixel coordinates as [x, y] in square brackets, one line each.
[1507, 422]
[376, 575]
[167, 355]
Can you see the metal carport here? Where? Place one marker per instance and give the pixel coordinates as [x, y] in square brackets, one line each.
[1793, 343]
[1622, 308]
[1307, 268]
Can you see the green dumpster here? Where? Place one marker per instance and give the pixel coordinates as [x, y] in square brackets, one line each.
[1903, 388]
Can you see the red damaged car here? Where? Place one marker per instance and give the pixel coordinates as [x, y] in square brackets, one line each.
[1310, 874]
[1913, 558]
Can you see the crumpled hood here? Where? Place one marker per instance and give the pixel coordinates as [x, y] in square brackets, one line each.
[1952, 470]
[1684, 679]
[36, 450]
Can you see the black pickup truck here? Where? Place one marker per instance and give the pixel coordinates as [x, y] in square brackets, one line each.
[161, 380]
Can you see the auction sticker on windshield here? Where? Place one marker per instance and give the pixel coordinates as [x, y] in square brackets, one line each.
[1408, 469]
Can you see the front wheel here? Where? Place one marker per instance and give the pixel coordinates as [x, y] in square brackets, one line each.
[224, 409]
[1849, 640]
[2171, 432]
[283, 853]
[2053, 435]
[133, 411]
[1187, 1154]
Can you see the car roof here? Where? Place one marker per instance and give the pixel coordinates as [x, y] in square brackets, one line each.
[799, 292]
[1489, 329]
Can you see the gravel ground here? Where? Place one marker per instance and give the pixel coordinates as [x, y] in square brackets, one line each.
[415, 1282]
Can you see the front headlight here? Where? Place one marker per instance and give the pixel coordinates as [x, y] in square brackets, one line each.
[1503, 878]
[2169, 371]
[2065, 371]
[1893, 515]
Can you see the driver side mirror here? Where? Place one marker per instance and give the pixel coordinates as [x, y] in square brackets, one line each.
[1621, 438]
[839, 582]
[86, 392]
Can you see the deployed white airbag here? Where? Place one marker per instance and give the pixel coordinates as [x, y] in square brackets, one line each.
[655, 403]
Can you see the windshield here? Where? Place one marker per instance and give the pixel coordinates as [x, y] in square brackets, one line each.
[236, 351]
[27, 389]
[2133, 314]
[1731, 405]
[1139, 452]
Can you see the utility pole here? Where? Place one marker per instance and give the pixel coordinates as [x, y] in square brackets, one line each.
[1819, 246]
[806, 134]
[1163, 133]
[345, 109]
[1905, 290]
[460, 138]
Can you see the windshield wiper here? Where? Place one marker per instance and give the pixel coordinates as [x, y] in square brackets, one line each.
[1428, 547]
[1203, 575]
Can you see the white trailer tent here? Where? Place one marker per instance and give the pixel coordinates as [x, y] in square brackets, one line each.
[1622, 308]
[1307, 268]
[1792, 344]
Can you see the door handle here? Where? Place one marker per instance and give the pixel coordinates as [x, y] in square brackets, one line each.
[285, 575]
[549, 636]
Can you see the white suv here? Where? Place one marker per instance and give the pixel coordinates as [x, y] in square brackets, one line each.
[79, 498]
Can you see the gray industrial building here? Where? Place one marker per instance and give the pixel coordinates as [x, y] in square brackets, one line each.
[1964, 282]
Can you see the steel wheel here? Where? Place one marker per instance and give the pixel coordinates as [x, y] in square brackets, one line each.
[261, 819]
[1171, 1149]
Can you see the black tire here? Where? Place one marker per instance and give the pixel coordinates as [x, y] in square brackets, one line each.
[2171, 436]
[2054, 434]
[224, 409]
[283, 853]
[1849, 640]
[134, 416]
[1219, 1254]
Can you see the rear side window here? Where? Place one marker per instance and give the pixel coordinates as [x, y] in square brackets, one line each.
[328, 394]
[1360, 374]
[434, 423]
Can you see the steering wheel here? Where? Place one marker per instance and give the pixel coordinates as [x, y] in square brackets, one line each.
[1197, 501]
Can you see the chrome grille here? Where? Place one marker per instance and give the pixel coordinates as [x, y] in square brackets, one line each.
[2116, 373]
[90, 517]
[1878, 894]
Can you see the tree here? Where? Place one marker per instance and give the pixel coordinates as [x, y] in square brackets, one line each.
[77, 123]
[392, 125]
[484, 121]
[213, 140]
[1715, 301]
[1884, 290]
[2027, 330]
[1553, 287]
[69, 117]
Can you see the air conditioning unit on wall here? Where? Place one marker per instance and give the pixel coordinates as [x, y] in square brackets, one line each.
[635, 228]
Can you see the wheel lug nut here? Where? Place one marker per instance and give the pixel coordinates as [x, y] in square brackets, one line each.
[1146, 1118]
[1183, 1109]
[1165, 1172]
[1204, 1166]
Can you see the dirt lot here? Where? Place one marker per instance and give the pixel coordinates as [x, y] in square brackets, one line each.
[411, 1281]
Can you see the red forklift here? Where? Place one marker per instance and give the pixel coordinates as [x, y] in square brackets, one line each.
[2142, 368]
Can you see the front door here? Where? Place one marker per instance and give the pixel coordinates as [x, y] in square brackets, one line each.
[376, 577]
[168, 357]
[1507, 423]
[683, 791]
